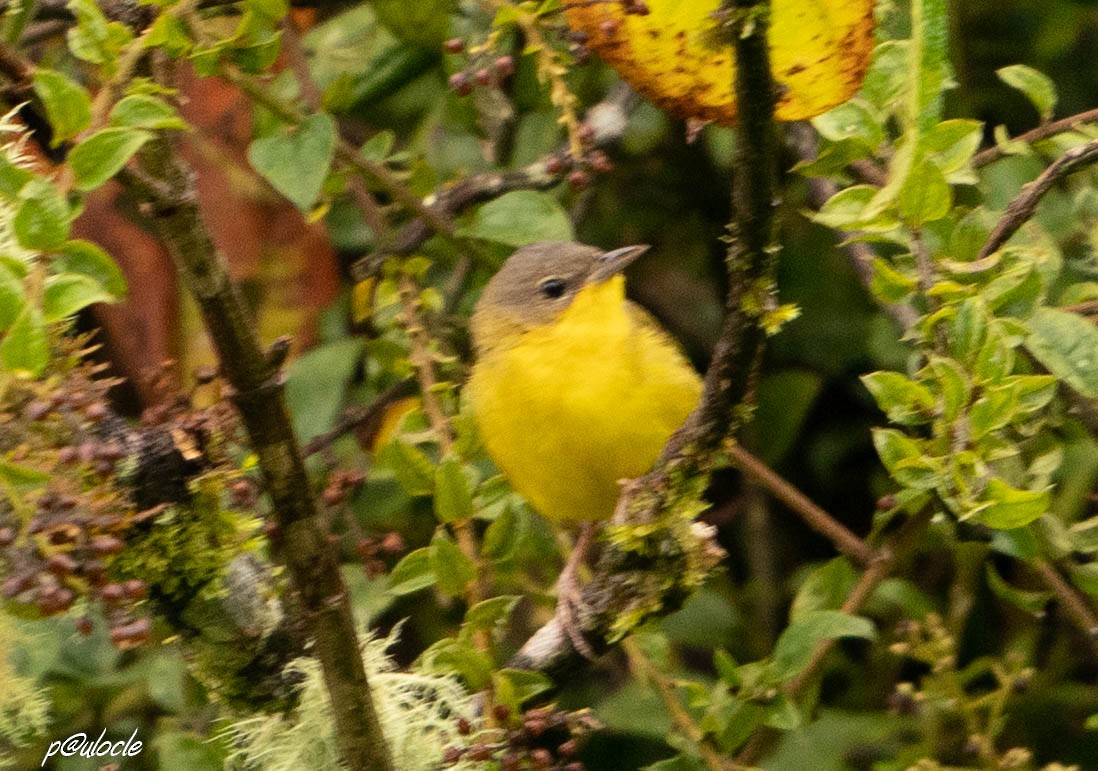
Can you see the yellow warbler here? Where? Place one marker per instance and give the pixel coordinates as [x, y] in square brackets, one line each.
[575, 387]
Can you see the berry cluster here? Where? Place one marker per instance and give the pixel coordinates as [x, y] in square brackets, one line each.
[65, 553]
[541, 738]
[371, 549]
[478, 72]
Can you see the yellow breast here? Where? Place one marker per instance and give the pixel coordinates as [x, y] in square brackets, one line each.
[568, 409]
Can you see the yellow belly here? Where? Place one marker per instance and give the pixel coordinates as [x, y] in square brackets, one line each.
[568, 410]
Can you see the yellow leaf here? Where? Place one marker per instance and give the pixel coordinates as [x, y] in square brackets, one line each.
[679, 58]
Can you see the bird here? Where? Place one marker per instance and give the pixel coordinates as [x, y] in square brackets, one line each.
[574, 388]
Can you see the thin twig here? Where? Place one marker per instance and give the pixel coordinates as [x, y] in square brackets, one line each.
[643, 668]
[367, 417]
[816, 518]
[1044, 131]
[1024, 205]
[1072, 603]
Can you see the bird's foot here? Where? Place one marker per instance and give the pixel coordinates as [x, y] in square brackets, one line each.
[570, 603]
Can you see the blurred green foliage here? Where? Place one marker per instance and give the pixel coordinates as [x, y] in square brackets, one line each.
[382, 70]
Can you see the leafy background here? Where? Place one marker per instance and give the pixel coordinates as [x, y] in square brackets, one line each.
[383, 69]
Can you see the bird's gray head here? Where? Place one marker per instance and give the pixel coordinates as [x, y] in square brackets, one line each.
[539, 281]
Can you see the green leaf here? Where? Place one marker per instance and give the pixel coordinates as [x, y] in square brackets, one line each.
[1067, 346]
[271, 9]
[412, 573]
[378, 147]
[68, 293]
[411, 467]
[953, 385]
[889, 284]
[177, 749]
[825, 588]
[43, 217]
[317, 383]
[26, 346]
[519, 218]
[12, 178]
[103, 154]
[490, 613]
[798, 642]
[296, 161]
[502, 535]
[88, 259]
[1037, 87]
[67, 103]
[677, 763]
[146, 112]
[94, 39]
[515, 687]
[994, 360]
[904, 459]
[453, 491]
[1091, 723]
[22, 478]
[951, 144]
[850, 209]
[969, 328]
[453, 569]
[1029, 601]
[1019, 543]
[1008, 507]
[925, 195]
[903, 400]
[928, 67]
[997, 408]
[851, 120]
[169, 34]
[13, 297]
[451, 656]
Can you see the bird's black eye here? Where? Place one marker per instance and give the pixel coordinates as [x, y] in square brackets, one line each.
[552, 287]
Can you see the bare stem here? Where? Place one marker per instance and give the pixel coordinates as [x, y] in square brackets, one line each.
[1045, 131]
[644, 668]
[816, 518]
[1019, 211]
[1073, 604]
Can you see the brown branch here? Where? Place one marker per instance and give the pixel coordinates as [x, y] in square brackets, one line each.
[1025, 203]
[815, 517]
[1073, 604]
[313, 568]
[1044, 131]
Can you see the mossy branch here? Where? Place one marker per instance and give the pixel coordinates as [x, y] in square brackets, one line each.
[170, 199]
[656, 555]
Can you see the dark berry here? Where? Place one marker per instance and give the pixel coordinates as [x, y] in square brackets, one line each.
[504, 66]
[454, 45]
[460, 85]
[61, 564]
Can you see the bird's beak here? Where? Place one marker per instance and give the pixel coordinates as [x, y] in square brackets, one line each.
[614, 262]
